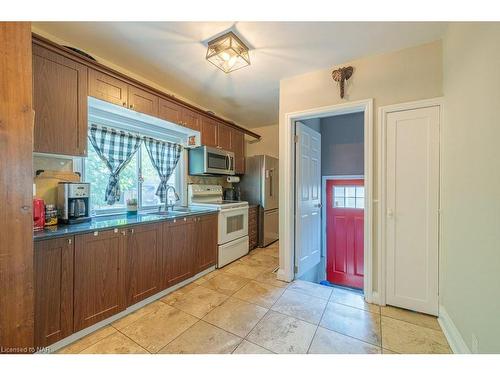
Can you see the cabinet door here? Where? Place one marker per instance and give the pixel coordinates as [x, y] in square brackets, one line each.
[60, 104]
[178, 254]
[110, 89]
[206, 245]
[142, 101]
[208, 132]
[191, 119]
[143, 262]
[53, 290]
[253, 235]
[170, 111]
[99, 283]
[238, 147]
[224, 137]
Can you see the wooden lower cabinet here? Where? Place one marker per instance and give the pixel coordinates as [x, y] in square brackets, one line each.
[143, 244]
[82, 280]
[178, 251]
[53, 263]
[99, 277]
[253, 231]
[206, 242]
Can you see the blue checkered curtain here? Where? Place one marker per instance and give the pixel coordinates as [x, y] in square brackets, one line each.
[115, 148]
[164, 157]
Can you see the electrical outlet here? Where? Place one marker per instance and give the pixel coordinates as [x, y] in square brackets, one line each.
[475, 344]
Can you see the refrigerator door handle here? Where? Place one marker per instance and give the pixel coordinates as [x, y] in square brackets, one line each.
[270, 182]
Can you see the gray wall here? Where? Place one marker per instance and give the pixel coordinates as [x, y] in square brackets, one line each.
[342, 145]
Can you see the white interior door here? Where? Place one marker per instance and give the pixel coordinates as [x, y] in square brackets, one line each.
[412, 203]
[308, 199]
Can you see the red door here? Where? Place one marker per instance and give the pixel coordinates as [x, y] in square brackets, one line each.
[345, 232]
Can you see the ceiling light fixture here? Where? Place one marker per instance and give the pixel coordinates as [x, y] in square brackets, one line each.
[228, 53]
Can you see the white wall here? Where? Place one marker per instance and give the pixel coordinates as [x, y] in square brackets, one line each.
[470, 198]
[268, 144]
[397, 77]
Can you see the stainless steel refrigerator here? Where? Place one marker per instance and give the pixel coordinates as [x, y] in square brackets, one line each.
[260, 185]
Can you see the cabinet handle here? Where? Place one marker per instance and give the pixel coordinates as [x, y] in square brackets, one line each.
[185, 219]
[69, 241]
[132, 230]
[175, 220]
[124, 104]
[131, 106]
[96, 234]
[124, 233]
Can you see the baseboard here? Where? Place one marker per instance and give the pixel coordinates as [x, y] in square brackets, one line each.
[455, 339]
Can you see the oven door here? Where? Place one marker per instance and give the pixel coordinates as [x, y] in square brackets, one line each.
[233, 224]
[219, 162]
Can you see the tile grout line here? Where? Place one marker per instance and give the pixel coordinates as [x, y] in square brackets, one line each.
[109, 325]
[268, 309]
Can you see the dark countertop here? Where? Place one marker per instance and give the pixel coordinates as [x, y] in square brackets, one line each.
[114, 221]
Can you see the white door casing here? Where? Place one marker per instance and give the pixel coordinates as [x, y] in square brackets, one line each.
[412, 208]
[308, 199]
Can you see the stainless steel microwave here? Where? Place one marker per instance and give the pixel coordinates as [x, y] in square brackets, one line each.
[205, 160]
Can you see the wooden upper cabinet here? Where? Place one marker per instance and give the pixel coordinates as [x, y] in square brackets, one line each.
[103, 86]
[170, 111]
[208, 132]
[53, 264]
[143, 262]
[238, 147]
[206, 242]
[60, 104]
[191, 119]
[99, 269]
[142, 101]
[178, 251]
[224, 137]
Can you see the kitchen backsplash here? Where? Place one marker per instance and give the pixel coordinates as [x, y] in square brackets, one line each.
[52, 163]
[208, 180]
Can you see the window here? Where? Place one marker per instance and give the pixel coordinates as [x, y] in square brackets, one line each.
[349, 197]
[138, 180]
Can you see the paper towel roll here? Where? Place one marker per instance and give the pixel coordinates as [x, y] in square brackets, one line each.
[233, 179]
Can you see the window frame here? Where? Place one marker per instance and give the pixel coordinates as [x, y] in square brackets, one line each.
[79, 166]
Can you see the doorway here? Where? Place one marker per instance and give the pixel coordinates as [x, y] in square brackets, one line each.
[316, 154]
[287, 186]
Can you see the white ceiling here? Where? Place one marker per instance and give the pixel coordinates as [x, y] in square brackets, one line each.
[172, 54]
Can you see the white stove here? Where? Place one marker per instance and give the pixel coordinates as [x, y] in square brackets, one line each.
[233, 221]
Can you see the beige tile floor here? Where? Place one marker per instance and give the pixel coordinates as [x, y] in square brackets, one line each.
[243, 309]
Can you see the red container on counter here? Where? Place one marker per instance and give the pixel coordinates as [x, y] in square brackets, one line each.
[38, 214]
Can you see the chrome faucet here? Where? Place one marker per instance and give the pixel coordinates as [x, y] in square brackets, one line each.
[171, 203]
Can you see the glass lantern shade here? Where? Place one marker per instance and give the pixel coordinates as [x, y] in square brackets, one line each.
[228, 53]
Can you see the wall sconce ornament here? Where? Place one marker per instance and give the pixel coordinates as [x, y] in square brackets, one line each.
[341, 75]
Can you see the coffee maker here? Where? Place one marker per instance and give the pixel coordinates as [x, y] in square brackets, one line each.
[73, 202]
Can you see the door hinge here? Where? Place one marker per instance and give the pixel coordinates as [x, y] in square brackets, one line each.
[295, 269]
[296, 138]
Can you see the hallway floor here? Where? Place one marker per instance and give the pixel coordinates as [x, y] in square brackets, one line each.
[243, 309]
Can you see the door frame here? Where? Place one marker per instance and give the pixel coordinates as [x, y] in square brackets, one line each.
[382, 121]
[324, 179]
[287, 184]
